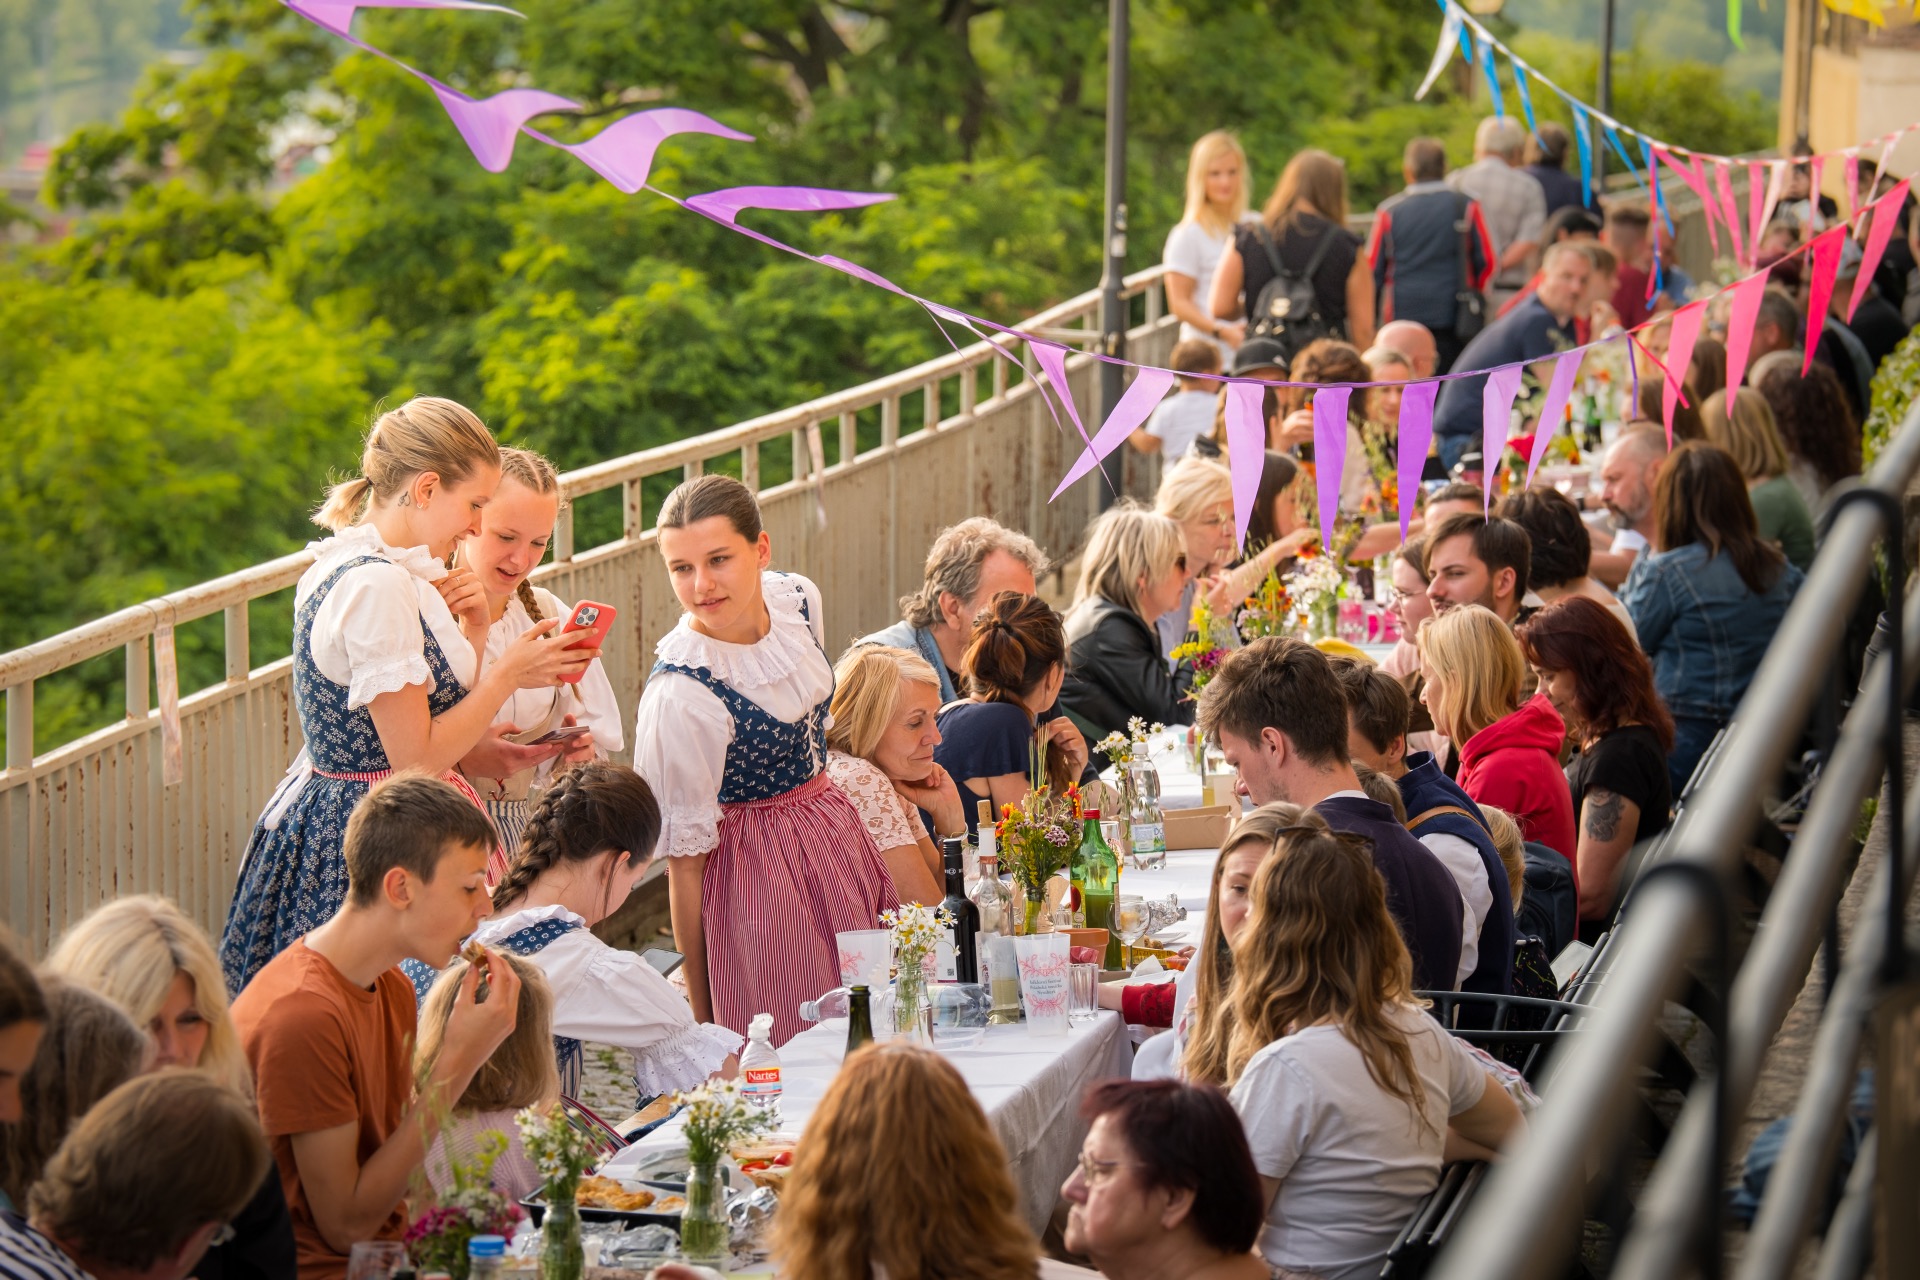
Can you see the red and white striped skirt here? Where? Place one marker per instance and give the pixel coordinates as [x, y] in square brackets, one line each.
[788, 874]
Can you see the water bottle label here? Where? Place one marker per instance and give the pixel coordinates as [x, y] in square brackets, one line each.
[1149, 837]
[760, 1084]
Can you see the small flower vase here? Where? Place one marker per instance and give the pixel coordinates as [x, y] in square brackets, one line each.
[561, 1255]
[912, 1007]
[1323, 618]
[704, 1232]
[1027, 911]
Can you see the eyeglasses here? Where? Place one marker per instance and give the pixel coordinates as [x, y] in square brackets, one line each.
[1396, 596]
[1094, 1172]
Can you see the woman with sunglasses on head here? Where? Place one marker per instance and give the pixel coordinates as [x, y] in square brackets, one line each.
[1134, 569]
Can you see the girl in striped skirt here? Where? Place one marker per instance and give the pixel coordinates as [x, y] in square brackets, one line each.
[515, 529]
[767, 858]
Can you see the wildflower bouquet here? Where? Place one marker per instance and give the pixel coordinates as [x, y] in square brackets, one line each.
[1268, 611]
[1203, 652]
[1037, 837]
[718, 1115]
[1124, 748]
[558, 1150]
[437, 1239]
[917, 932]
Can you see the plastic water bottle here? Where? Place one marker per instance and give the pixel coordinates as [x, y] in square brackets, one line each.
[831, 1005]
[760, 1065]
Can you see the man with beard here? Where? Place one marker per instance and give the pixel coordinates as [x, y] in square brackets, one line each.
[1626, 487]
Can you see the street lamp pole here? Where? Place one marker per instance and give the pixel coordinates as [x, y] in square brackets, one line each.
[1606, 89]
[1113, 308]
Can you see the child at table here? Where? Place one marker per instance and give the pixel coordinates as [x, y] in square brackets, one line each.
[587, 844]
[767, 859]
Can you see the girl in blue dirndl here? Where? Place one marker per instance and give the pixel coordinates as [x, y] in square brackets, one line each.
[384, 668]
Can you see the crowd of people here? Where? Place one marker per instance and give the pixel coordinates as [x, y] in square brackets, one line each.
[409, 957]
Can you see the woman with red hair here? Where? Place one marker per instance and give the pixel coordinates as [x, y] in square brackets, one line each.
[1602, 685]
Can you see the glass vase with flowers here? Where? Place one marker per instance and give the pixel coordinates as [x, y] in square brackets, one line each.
[1037, 838]
[718, 1116]
[563, 1153]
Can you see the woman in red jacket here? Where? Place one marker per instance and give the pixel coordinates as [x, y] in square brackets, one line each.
[1509, 749]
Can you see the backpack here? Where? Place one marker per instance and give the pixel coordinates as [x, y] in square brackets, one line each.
[1288, 309]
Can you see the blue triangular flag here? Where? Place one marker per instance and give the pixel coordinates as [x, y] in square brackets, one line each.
[1613, 140]
[1526, 97]
[1659, 196]
[1492, 73]
[1583, 138]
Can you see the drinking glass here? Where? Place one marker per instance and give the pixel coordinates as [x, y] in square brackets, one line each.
[1082, 1002]
[1130, 921]
[375, 1259]
[1351, 624]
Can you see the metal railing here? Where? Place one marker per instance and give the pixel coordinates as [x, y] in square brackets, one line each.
[94, 819]
[1527, 1220]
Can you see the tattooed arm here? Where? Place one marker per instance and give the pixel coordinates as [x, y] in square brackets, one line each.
[1608, 821]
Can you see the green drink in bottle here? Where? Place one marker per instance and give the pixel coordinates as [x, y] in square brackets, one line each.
[1099, 874]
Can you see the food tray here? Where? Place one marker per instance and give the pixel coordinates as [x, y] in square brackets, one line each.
[536, 1207]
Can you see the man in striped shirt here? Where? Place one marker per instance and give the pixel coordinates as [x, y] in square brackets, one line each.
[142, 1186]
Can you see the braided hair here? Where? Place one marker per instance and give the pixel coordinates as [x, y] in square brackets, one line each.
[589, 809]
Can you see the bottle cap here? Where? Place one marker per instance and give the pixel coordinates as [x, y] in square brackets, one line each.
[760, 1027]
[1090, 814]
[487, 1247]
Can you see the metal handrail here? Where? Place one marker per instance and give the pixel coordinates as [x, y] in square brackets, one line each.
[1530, 1211]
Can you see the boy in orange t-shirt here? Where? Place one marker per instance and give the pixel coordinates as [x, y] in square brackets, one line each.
[328, 1024]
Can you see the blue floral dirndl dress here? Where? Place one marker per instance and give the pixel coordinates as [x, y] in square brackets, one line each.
[294, 876]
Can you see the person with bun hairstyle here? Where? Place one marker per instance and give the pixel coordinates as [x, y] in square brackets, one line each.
[1015, 667]
[586, 847]
[515, 530]
[767, 859]
[384, 670]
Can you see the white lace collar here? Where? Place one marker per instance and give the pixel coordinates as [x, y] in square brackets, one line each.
[365, 540]
[514, 921]
[788, 643]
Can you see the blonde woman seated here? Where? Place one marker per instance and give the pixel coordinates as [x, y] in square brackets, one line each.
[880, 753]
[1351, 1095]
[1133, 570]
[1197, 495]
[521, 1073]
[1753, 439]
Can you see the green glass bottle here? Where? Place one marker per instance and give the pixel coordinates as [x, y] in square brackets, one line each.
[1097, 870]
[859, 1018]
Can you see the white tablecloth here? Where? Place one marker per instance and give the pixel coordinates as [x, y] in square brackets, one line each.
[1188, 875]
[1029, 1086]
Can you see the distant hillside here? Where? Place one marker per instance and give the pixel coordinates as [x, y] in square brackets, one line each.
[1686, 30]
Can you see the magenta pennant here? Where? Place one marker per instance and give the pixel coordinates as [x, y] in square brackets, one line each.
[1823, 262]
[726, 206]
[1853, 180]
[1776, 187]
[1140, 399]
[337, 15]
[1756, 207]
[1566, 367]
[622, 153]
[490, 124]
[1416, 437]
[1246, 449]
[1496, 408]
[1814, 168]
[1054, 361]
[1680, 339]
[1696, 180]
[1885, 210]
[1741, 317]
[1329, 453]
[1729, 210]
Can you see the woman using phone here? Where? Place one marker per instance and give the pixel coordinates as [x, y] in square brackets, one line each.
[384, 677]
[767, 859]
[515, 530]
[586, 844]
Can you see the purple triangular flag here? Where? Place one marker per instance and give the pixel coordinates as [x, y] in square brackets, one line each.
[1416, 437]
[1246, 449]
[1054, 361]
[1329, 453]
[1885, 210]
[490, 124]
[1496, 416]
[1823, 262]
[1139, 400]
[1566, 367]
[337, 15]
[726, 206]
[622, 153]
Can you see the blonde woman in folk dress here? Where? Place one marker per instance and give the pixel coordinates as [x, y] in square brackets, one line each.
[767, 859]
[384, 675]
[515, 530]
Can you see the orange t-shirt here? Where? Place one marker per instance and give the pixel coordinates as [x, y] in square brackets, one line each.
[324, 1053]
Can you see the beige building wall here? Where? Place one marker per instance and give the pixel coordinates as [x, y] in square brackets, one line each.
[1864, 82]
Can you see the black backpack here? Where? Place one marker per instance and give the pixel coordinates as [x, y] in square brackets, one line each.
[1288, 309]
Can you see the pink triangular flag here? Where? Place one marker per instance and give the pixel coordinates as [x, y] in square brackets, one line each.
[1496, 416]
[1729, 210]
[1246, 449]
[622, 153]
[1823, 261]
[1885, 211]
[1853, 179]
[1329, 453]
[1416, 437]
[1680, 339]
[1148, 390]
[1776, 187]
[1814, 216]
[490, 125]
[1741, 317]
[1756, 208]
[1054, 361]
[1696, 181]
[1566, 367]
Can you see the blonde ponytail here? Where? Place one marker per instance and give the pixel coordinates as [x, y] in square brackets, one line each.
[426, 433]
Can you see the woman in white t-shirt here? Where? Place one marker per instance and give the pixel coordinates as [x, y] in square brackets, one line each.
[1216, 199]
[1352, 1096]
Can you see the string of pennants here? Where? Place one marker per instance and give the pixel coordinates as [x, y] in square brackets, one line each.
[622, 154]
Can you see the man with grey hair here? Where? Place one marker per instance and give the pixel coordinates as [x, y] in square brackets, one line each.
[1510, 199]
[1627, 477]
[968, 564]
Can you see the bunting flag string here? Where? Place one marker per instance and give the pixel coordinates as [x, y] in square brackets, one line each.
[1823, 263]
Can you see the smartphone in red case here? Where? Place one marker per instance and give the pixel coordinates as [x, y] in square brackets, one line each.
[587, 628]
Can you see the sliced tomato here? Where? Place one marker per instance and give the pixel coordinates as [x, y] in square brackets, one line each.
[784, 1159]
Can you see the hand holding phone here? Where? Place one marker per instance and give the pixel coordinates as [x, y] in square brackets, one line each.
[587, 628]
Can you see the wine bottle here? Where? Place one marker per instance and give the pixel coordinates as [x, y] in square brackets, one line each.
[966, 916]
[859, 1018]
[1099, 869]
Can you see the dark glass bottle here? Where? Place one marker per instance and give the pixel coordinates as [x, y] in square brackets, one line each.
[859, 1018]
[1099, 870]
[966, 916]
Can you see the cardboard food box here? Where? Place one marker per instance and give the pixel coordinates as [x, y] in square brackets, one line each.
[1204, 828]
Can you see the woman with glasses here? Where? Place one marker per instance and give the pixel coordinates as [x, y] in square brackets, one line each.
[1133, 570]
[1165, 1188]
